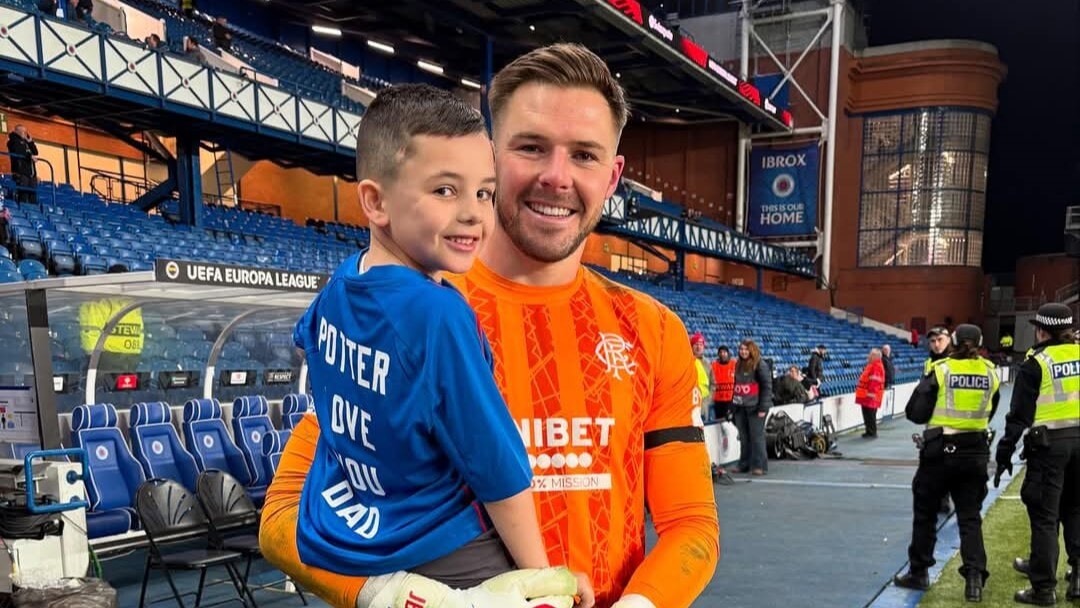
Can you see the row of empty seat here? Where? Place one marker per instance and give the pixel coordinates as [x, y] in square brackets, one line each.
[784, 331]
[249, 453]
[76, 233]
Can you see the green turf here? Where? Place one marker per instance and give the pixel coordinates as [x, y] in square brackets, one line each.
[1007, 535]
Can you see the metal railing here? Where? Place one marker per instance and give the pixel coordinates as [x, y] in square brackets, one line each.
[117, 188]
[1066, 292]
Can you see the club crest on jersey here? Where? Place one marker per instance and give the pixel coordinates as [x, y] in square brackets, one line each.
[614, 351]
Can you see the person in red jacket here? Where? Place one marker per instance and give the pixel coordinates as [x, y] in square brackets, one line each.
[870, 391]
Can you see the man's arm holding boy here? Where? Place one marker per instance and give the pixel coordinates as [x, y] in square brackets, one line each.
[277, 539]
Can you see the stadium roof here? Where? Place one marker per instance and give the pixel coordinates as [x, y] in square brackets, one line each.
[668, 76]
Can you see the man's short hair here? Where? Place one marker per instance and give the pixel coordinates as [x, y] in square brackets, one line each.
[562, 65]
[402, 112]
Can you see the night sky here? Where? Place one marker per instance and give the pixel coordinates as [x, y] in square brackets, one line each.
[1034, 171]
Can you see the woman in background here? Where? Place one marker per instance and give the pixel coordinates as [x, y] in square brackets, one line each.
[750, 406]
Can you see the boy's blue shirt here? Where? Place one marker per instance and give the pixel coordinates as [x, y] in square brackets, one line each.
[414, 429]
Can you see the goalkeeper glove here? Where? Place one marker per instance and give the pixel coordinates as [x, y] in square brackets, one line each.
[531, 588]
[633, 601]
[551, 587]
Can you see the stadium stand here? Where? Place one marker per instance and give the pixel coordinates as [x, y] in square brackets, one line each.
[784, 331]
[292, 70]
[80, 233]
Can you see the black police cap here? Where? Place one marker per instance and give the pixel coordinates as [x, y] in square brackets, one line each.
[1053, 316]
[937, 331]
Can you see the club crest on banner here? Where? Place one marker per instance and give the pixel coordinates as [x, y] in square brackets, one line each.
[783, 191]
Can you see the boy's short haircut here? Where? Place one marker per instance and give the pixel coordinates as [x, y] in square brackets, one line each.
[561, 65]
[402, 112]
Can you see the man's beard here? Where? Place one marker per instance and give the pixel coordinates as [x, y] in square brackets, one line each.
[538, 248]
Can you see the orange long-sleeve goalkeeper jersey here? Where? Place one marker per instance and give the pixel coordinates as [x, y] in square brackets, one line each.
[602, 384]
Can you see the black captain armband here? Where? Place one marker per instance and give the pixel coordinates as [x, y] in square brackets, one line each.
[684, 434]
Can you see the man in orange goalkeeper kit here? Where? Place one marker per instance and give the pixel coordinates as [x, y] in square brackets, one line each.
[598, 377]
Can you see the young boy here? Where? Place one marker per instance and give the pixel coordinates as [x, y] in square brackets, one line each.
[419, 455]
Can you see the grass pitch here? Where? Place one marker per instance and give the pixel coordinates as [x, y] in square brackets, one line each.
[1007, 535]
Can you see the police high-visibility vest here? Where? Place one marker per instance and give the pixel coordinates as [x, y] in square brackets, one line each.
[1058, 405]
[929, 365]
[966, 388]
[1007, 342]
[126, 338]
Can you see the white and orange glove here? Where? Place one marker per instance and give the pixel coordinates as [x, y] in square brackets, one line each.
[633, 601]
[528, 588]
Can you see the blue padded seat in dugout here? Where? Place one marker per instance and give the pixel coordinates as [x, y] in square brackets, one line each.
[157, 446]
[113, 474]
[293, 408]
[273, 446]
[250, 423]
[209, 442]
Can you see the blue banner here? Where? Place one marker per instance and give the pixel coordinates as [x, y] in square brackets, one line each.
[783, 191]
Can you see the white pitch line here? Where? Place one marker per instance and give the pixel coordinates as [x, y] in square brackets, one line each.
[834, 484]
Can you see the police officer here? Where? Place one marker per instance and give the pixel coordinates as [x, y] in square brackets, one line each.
[1046, 398]
[956, 401]
[940, 342]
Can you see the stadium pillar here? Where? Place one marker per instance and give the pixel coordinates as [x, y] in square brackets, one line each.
[37, 317]
[189, 179]
[744, 131]
[830, 152]
[741, 178]
[760, 279]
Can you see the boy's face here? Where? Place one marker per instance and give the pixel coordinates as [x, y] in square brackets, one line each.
[557, 165]
[440, 208]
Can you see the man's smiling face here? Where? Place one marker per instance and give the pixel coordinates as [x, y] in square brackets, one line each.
[556, 166]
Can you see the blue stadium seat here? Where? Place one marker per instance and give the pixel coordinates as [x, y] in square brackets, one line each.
[156, 445]
[273, 446]
[63, 264]
[293, 408]
[27, 243]
[113, 474]
[250, 422]
[91, 264]
[209, 441]
[32, 270]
